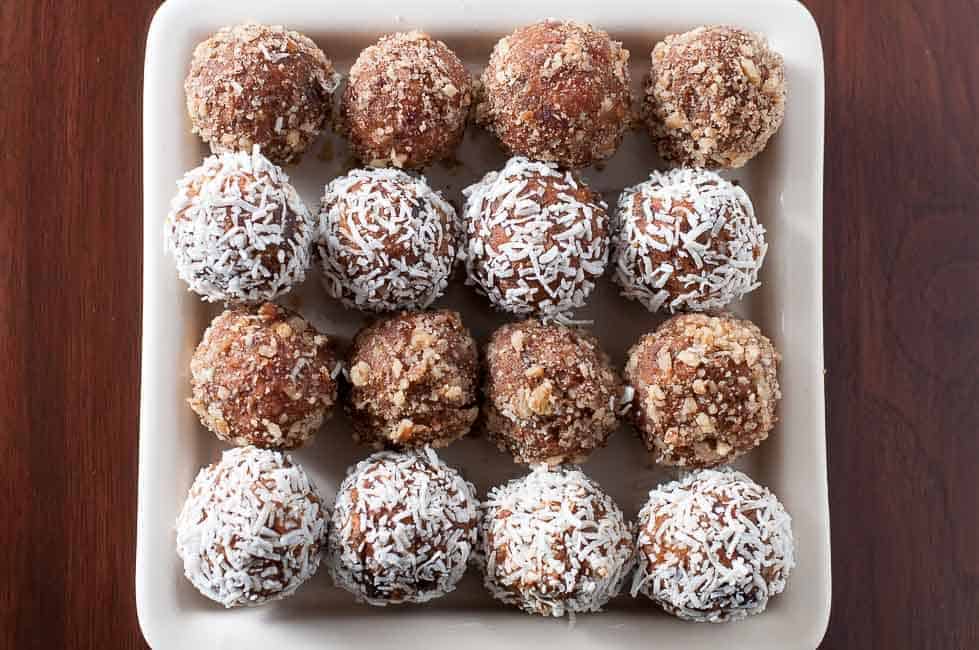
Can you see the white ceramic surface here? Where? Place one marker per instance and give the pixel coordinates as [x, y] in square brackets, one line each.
[785, 183]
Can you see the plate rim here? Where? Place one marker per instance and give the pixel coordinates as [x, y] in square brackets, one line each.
[164, 19]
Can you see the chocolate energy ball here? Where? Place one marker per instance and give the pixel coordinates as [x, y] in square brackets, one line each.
[407, 101]
[238, 230]
[553, 544]
[713, 547]
[251, 529]
[263, 376]
[558, 91]
[259, 85]
[403, 527]
[538, 239]
[386, 240]
[687, 240]
[413, 380]
[551, 393]
[714, 96]
[704, 389]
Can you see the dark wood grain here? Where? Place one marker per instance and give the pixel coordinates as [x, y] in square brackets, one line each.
[901, 319]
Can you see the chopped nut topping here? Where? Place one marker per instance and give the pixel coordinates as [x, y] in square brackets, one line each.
[421, 339]
[403, 430]
[540, 399]
[715, 414]
[360, 374]
[534, 372]
[750, 71]
[689, 406]
[689, 357]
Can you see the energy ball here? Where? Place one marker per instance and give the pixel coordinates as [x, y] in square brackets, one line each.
[713, 547]
[406, 102]
[687, 240]
[704, 389]
[538, 239]
[259, 85]
[714, 96]
[238, 230]
[551, 393]
[263, 376]
[553, 544]
[403, 527]
[413, 380]
[386, 240]
[557, 91]
[251, 529]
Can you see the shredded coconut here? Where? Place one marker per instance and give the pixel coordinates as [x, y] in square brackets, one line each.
[714, 547]
[552, 543]
[386, 241]
[537, 239]
[238, 230]
[685, 240]
[251, 529]
[402, 530]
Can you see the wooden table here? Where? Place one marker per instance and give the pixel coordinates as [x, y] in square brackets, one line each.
[902, 317]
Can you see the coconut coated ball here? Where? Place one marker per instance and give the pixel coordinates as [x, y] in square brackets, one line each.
[553, 544]
[551, 393]
[713, 547]
[714, 96]
[263, 376]
[386, 240]
[557, 91]
[687, 240]
[238, 230]
[259, 85]
[251, 528]
[704, 389]
[403, 527]
[406, 102]
[413, 380]
[537, 239]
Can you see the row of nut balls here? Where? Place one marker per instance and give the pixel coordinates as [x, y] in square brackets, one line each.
[701, 389]
[533, 236]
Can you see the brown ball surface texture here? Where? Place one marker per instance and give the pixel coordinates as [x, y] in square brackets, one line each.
[704, 389]
[557, 91]
[238, 230]
[537, 239]
[714, 96]
[386, 240]
[261, 85]
[263, 376]
[687, 240]
[551, 393]
[553, 543]
[252, 528]
[403, 527]
[406, 102]
[414, 378]
[713, 547]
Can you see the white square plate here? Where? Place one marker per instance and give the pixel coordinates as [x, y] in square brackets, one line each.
[785, 183]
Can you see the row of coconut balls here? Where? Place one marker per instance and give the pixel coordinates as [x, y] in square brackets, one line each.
[533, 238]
[556, 90]
[701, 390]
[713, 546]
